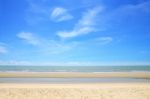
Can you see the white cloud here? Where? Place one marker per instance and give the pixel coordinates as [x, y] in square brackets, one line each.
[60, 14]
[103, 40]
[3, 49]
[84, 26]
[29, 37]
[76, 32]
[97, 41]
[88, 18]
[88, 21]
[45, 46]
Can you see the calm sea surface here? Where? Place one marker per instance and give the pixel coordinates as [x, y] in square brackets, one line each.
[74, 68]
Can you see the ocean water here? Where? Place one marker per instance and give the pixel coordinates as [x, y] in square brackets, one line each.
[74, 68]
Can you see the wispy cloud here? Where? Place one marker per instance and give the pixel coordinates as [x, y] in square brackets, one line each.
[44, 45]
[141, 7]
[84, 26]
[128, 11]
[103, 40]
[3, 48]
[37, 12]
[60, 14]
[29, 37]
[97, 41]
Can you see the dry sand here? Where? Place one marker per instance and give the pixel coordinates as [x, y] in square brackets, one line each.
[75, 91]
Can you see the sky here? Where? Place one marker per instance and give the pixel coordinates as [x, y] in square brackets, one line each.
[75, 32]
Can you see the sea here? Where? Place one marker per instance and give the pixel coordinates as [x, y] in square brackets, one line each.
[20, 68]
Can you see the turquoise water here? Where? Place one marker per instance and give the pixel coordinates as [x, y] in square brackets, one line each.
[74, 68]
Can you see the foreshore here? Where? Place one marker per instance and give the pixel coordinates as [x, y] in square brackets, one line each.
[97, 90]
[76, 74]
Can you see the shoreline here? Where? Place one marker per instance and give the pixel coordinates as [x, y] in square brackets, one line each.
[78, 85]
[145, 75]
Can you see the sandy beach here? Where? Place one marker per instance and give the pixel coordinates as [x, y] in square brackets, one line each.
[75, 91]
[99, 90]
[76, 74]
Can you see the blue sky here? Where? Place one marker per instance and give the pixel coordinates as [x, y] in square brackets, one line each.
[75, 32]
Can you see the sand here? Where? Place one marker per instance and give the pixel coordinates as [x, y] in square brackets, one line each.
[75, 91]
[108, 90]
[76, 74]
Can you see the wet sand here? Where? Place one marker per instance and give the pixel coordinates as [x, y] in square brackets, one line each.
[76, 74]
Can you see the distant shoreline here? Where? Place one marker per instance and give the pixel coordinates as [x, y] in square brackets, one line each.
[76, 74]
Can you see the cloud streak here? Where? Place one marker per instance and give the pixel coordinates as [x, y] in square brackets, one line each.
[3, 49]
[29, 38]
[141, 7]
[84, 26]
[39, 11]
[103, 40]
[128, 11]
[45, 45]
[60, 14]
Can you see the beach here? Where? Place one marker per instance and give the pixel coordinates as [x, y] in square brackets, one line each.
[76, 74]
[138, 88]
[75, 91]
